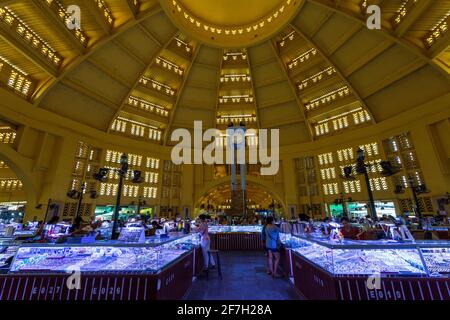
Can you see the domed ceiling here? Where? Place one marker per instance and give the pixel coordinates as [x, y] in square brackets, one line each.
[142, 68]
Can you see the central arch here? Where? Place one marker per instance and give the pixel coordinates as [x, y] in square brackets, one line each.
[22, 168]
[264, 185]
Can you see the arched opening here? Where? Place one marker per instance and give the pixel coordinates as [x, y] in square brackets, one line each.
[18, 195]
[261, 199]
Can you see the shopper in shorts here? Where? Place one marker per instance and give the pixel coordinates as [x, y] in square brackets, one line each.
[272, 236]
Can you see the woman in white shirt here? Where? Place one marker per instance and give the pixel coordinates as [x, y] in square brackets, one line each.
[208, 260]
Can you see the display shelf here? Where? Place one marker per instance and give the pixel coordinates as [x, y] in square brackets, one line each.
[94, 258]
[234, 229]
[171, 283]
[327, 269]
[111, 270]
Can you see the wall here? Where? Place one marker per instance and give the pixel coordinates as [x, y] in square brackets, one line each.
[44, 154]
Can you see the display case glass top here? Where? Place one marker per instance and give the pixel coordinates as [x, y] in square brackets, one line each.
[235, 229]
[93, 258]
[384, 257]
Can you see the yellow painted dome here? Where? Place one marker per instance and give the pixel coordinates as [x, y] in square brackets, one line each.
[231, 23]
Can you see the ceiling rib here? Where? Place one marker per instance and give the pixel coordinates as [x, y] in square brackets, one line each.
[52, 18]
[76, 85]
[344, 39]
[27, 50]
[129, 52]
[338, 70]
[136, 83]
[219, 73]
[417, 10]
[294, 91]
[258, 120]
[109, 72]
[179, 92]
[4, 3]
[413, 49]
[99, 18]
[103, 41]
[150, 35]
[368, 57]
[440, 46]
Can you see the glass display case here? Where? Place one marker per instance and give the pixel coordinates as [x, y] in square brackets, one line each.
[436, 255]
[128, 258]
[385, 257]
[8, 249]
[102, 256]
[235, 229]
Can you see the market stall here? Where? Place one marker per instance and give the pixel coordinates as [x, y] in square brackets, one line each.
[227, 238]
[107, 270]
[369, 270]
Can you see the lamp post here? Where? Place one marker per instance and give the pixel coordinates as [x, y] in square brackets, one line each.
[140, 204]
[122, 173]
[416, 201]
[361, 167]
[80, 199]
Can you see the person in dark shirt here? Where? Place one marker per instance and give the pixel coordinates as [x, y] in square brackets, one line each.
[347, 230]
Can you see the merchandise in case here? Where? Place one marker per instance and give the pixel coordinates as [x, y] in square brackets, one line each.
[8, 249]
[360, 257]
[230, 229]
[329, 269]
[436, 255]
[111, 271]
[95, 258]
[54, 231]
[160, 239]
[132, 235]
[105, 256]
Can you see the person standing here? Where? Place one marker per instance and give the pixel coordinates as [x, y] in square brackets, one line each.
[263, 240]
[208, 260]
[272, 236]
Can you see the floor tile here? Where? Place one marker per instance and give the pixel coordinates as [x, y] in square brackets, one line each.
[244, 278]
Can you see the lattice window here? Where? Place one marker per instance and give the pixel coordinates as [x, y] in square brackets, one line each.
[378, 184]
[361, 117]
[119, 125]
[108, 189]
[328, 173]
[325, 158]
[370, 149]
[352, 186]
[345, 154]
[321, 129]
[330, 188]
[340, 123]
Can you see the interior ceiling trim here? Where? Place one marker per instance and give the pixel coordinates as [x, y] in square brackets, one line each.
[179, 93]
[46, 87]
[294, 91]
[338, 71]
[136, 83]
[250, 35]
[424, 55]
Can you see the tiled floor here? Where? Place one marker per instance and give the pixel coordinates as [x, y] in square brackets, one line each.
[244, 278]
